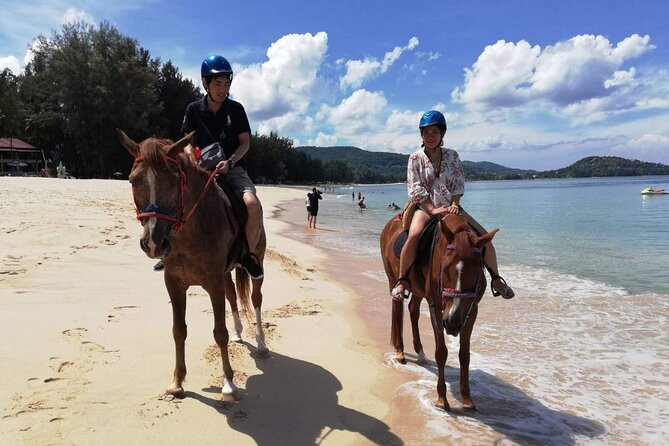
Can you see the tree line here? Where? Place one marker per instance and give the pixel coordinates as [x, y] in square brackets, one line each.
[85, 81]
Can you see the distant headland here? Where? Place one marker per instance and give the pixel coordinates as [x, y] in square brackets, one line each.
[391, 167]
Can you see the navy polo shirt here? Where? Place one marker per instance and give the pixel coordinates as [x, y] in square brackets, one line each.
[224, 126]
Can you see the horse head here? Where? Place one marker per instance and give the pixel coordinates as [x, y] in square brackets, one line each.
[462, 281]
[158, 188]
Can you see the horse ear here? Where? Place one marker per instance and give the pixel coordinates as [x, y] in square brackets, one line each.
[179, 146]
[481, 241]
[128, 143]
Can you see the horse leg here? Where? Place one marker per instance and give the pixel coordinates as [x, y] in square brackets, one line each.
[414, 313]
[228, 389]
[177, 292]
[465, 337]
[396, 337]
[256, 300]
[231, 296]
[440, 356]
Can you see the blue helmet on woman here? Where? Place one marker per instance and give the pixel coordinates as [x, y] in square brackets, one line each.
[215, 64]
[433, 117]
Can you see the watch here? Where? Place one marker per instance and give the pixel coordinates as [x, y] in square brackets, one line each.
[231, 163]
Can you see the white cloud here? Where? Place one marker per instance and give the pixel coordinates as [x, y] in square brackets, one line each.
[359, 113]
[323, 140]
[10, 62]
[73, 15]
[582, 78]
[284, 83]
[357, 71]
[649, 147]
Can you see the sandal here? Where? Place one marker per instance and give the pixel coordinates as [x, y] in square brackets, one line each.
[501, 289]
[397, 294]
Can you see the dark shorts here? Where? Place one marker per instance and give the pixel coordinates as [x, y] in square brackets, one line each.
[313, 212]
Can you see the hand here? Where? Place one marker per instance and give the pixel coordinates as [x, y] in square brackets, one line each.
[224, 166]
[440, 211]
[453, 209]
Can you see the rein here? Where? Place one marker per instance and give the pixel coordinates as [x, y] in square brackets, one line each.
[175, 216]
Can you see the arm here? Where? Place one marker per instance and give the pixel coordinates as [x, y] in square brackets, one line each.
[240, 151]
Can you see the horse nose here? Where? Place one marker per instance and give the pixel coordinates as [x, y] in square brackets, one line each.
[452, 328]
[143, 245]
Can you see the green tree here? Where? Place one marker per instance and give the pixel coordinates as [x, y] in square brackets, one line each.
[12, 113]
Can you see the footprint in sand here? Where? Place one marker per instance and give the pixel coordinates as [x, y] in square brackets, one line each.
[92, 346]
[112, 317]
[76, 332]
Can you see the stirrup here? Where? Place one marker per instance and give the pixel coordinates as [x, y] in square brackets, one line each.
[399, 295]
[496, 293]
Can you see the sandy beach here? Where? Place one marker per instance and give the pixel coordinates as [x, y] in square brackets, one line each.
[87, 349]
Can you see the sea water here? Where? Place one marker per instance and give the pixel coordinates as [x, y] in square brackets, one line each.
[581, 355]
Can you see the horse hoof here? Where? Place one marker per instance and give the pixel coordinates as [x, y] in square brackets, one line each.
[443, 405]
[471, 407]
[262, 352]
[175, 391]
[229, 397]
[401, 358]
[235, 337]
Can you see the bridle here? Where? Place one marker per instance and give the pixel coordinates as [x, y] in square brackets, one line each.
[177, 216]
[458, 294]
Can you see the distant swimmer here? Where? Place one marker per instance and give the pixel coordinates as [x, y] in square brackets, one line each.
[393, 207]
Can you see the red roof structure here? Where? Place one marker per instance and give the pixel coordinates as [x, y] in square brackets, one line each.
[17, 157]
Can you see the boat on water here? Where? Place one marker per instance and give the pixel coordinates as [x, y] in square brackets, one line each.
[653, 191]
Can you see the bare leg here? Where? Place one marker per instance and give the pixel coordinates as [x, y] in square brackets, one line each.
[177, 292]
[254, 220]
[490, 260]
[408, 254]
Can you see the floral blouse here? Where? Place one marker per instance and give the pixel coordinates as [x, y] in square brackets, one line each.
[422, 181]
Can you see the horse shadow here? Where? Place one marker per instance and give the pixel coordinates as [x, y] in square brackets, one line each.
[513, 413]
[294, 402]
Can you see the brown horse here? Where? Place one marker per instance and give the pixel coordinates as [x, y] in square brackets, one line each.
[452, 281]
[188, 222]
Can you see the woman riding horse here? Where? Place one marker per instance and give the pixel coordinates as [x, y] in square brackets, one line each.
[436, 182]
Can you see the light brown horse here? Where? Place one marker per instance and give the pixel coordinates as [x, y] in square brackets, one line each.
[188, 222]
[452, 281]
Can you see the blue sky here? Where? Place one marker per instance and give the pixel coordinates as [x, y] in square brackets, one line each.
[527, 84]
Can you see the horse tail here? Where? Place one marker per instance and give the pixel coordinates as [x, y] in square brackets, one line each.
[243, 284]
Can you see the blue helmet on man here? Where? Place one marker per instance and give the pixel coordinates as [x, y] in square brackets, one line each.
[432, 117]
[215, 64]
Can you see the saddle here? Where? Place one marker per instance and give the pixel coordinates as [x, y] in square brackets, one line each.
[424, 252]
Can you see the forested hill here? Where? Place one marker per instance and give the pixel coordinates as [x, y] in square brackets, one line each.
[607, 166]
[394, 164]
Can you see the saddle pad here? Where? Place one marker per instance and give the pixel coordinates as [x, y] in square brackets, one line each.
[424, 244]
[399, 242]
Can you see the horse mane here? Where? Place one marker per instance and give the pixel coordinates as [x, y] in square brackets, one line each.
[153, 151]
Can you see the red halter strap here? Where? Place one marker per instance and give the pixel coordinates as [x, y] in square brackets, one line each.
[177, 217]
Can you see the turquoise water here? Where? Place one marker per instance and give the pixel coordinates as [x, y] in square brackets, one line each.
[599, 229]
[578, 356]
